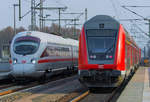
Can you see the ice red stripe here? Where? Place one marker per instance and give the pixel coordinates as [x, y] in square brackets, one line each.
[55, 60]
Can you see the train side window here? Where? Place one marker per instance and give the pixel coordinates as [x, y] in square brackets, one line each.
[57, 50]
[127, 56]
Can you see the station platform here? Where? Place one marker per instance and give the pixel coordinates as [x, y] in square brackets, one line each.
[138, 89]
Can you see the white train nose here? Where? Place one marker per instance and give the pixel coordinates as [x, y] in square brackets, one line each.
[23, 70]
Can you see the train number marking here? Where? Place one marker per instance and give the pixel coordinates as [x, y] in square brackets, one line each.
[101, 66]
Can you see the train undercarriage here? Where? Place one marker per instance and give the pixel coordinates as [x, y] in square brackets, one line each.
[97, 78]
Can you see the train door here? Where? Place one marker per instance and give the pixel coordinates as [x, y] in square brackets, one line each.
[72, 55]
[75, 56]
[135, 57]
[126, 57]
[131, 57]
[128, 64]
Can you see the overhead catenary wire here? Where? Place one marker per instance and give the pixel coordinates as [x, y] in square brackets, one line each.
[115, 9]
[58, 2]
[30, 10]
[134, 12]
[144, 18]
[141, 30]
[28, 1]
[74, 16]
[137, 6]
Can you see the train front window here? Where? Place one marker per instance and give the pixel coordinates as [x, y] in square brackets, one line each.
[101, 46]
[26, 45]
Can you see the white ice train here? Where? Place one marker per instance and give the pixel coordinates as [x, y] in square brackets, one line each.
[34, 54]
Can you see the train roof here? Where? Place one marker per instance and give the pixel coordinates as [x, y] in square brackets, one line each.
[45, 37]
[72, 41]
[107, 22]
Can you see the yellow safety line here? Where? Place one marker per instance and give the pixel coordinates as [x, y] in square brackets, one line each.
[81, 96]
[15, 90]
[7, 92]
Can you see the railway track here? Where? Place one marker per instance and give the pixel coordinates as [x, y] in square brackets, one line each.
[14, 87]
[6, 86]
[54, 90]
[100, 95]
[103, 94]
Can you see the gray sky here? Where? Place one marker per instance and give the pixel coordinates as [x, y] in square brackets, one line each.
[95, 7]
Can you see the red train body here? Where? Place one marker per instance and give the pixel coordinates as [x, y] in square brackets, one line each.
[107, 53]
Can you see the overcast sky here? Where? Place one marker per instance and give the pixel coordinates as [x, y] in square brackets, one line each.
[95, 7]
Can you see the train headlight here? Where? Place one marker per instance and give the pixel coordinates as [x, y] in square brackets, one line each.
[109, 56]
[33, 61]
[14, 61]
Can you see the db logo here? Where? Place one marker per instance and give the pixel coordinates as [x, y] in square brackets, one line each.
[23, 61]
[101, 66]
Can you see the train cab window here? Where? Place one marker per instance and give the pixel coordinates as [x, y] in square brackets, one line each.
[101, 44]
[26, 45]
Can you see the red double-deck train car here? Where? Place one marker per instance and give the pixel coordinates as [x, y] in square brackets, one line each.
[107, 53]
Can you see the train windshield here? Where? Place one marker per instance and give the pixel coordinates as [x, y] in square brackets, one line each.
[26, 45]
[101, 44]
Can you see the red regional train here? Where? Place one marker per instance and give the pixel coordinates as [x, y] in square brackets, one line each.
[107, 53]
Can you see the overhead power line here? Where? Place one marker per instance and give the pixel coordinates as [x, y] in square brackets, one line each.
[125, 7]
[20, 16]
[60, 19]
[141, 30]
[128, 19]
[53, 8]
[137, 6]
[115, 9]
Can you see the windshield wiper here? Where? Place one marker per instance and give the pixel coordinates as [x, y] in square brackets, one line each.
[109, 49]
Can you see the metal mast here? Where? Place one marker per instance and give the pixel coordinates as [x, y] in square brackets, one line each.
[33, 15]
[19, 10]
[41, 14]
[85, 14]
[41, 8]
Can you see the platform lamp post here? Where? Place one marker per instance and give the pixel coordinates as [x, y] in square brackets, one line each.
[15, 17]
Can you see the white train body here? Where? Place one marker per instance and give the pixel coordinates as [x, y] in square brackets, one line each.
[35, 53]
